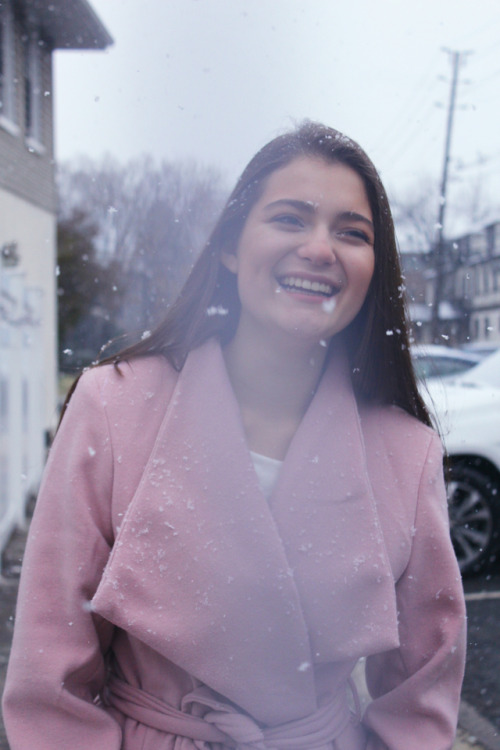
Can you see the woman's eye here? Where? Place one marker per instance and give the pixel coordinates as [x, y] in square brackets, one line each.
[356, 234]
[289, 220]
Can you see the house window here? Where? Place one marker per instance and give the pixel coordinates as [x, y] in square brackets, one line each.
[475, 285]
[490, 239]
[486, 280]
[496, 241]
[25, 406]
[7, 69]
[4, 406]
[467, 285]
[487, 328]
[4, 485]
[33, 90]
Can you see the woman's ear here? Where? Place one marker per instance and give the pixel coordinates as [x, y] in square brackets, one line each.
[230, 261]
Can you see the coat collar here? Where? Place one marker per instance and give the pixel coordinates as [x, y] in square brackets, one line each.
[243, 594]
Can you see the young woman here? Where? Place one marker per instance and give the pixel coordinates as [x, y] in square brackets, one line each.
[243, 505]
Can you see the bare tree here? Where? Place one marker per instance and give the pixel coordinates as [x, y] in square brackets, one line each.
[415, 213]
[416, 209]
[151, 219]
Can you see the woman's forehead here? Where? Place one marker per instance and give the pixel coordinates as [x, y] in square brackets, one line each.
[316, 181]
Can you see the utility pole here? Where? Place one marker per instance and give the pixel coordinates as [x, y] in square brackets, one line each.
[438, 250]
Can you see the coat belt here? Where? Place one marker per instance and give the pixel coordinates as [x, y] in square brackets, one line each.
[224, 724]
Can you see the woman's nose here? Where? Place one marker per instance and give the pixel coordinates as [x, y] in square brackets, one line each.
[318, 248]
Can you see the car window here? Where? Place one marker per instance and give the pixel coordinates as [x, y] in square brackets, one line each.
[435, 366]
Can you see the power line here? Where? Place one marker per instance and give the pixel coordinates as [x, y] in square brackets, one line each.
[472, 34]
[487, 78]
[483, 160]
[408, 139]
[412, 104]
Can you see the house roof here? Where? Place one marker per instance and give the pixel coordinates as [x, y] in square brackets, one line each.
[67, 24]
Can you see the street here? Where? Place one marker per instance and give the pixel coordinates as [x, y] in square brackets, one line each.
[482, 678]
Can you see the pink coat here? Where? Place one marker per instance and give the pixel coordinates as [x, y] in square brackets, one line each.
[165, 603]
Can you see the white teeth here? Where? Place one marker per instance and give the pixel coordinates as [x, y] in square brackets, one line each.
[310, 286]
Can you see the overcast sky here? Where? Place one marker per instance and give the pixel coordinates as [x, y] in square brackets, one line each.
[215, 79]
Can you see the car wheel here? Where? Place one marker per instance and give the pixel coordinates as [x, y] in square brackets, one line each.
[474, 509]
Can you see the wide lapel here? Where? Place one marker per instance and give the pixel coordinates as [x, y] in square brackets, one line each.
[324, 508]
[198, 571]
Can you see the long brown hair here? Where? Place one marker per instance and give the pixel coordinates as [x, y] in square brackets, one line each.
[208, 304]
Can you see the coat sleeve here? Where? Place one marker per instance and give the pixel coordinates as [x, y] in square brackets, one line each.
[416, 688]
[57, 664]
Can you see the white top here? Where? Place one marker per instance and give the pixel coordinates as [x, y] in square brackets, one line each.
[267, 470]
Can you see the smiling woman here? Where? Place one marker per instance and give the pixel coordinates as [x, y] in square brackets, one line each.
[283, 514]
[305, 258]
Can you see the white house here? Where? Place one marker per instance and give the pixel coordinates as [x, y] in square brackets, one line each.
[30, 30]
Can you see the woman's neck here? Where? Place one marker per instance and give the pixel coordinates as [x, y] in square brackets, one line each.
[274, 386]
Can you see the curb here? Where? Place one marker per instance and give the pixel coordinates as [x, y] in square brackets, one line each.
[479, 728]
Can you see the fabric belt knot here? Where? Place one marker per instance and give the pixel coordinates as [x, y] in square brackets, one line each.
[225, 725]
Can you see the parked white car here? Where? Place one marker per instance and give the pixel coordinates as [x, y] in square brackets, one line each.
[468, 417]
[432, 360]
[486, 372]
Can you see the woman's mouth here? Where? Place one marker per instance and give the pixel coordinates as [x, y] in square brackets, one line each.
[296, 283]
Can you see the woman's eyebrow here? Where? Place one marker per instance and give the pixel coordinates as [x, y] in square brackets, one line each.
[292, 203]
[311, 207]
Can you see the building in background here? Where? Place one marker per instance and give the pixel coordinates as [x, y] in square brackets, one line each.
[469, 311]
[476, 281]
[30, 31]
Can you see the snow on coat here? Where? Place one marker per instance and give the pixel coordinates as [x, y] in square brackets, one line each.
[165, 603]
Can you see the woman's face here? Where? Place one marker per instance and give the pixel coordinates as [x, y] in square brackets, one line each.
[305, 258]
